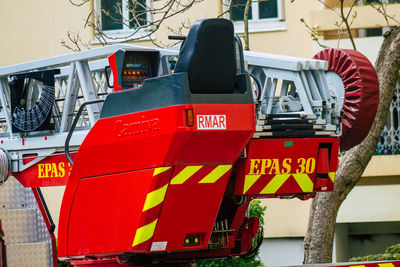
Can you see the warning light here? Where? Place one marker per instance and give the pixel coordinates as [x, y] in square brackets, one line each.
[129, 72]
[192, 240]
[189, 118]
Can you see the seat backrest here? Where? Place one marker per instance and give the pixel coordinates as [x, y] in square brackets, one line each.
[208, 56]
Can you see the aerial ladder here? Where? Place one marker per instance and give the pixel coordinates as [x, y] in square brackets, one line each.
[161, 151]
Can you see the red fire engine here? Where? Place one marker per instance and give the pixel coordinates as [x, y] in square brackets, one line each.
[169, 159]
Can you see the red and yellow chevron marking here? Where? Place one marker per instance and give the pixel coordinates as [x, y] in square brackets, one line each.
[271, 186]
[207, 174]
[152, 207]
[201, 174]
[375, 264]
[332, 176]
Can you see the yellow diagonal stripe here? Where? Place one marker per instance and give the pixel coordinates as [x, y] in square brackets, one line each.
[215, 174]
[249, 180]
[304, 181]
[185, 174]
[275, 183]
[386, 264]
[144, 233]
[157, 171]
[154, 198]
[357, 266]
[332, 176]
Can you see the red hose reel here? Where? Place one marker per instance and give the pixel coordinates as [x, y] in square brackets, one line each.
[361, 92]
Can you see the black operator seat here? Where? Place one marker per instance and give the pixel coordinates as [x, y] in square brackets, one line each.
[206, 66]
[208, 57]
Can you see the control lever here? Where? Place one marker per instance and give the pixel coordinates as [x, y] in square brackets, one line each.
[177, 37]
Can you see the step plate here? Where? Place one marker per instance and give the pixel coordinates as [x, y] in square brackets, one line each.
[12, 195]
[19, 225]
[28, 255]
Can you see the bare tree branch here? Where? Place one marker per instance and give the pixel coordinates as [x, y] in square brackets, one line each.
[346, 22]
[142, 21]
[79, 4]
[381, 7]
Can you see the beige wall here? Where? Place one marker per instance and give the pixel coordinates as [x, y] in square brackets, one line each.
[285, 217]
[34, 29]
[53, 197]
[368, 46]
[295, 40]
[366, 17]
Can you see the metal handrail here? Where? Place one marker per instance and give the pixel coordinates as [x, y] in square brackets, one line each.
[71, 131]
[240, 47]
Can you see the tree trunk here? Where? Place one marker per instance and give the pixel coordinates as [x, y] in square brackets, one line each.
[318, 242]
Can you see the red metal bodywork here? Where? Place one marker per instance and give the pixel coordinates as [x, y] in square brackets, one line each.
[287, 167]
[113, 64]
[50, 171]
[162, 179]
[135, 148]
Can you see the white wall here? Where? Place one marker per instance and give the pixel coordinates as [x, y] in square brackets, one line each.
[282, 251]
[371, 203]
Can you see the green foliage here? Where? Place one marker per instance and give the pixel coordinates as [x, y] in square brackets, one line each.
[255, 210]
[391, 253]
[393, 249]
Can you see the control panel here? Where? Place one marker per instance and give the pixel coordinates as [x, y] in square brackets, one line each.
[131, 68]
[135, 70]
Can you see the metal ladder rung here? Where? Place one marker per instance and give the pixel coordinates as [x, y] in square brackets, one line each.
[292, 127]
[288, 121]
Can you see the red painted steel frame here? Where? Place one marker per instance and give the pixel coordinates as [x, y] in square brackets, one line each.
[50, 171]
[104, 206]
[113, 64]
[287, 166]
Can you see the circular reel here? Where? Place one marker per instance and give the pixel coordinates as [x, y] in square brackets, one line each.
[5, 166]
[353, 81]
